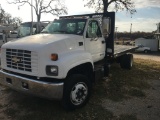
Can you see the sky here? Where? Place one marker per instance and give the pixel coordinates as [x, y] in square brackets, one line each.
[145, 19]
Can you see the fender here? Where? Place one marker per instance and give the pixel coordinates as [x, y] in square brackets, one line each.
[65, 62]
[73, 59]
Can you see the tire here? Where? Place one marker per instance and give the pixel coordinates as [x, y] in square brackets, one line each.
[126, 61]
[146, 51]
[77, 91]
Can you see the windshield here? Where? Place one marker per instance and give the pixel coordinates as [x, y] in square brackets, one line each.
[66, 26]
[25, 30]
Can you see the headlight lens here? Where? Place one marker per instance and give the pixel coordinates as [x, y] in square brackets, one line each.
[52, 70]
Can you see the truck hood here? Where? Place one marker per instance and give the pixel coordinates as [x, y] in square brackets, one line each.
[35, 42]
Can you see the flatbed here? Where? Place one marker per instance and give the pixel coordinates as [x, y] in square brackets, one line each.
[123, 49]
[119, 50]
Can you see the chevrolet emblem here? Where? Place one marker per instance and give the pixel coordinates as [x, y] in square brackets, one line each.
[16, 60]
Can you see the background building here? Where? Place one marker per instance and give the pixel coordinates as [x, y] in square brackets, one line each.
[157, 34]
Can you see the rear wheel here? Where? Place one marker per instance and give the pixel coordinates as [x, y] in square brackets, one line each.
[126, 61]
[146, 51]
[77, 90]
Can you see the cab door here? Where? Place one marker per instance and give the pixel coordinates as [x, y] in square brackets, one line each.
[94, 40]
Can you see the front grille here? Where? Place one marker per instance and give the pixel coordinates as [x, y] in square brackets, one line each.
[19, 59]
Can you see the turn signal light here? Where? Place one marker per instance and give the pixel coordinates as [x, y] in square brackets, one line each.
[54, 57]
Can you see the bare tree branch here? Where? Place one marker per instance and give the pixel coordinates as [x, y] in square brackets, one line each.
[102, 5]
[40, 8]
[54, 7]
[23, 2]
[6, 18]
[47, 5]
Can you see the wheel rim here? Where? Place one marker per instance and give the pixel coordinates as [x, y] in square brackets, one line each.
[79, 93]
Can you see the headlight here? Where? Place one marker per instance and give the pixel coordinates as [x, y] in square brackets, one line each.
[52, 70]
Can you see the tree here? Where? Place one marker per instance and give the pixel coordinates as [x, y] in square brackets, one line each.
[102, 5]
[55, 7]
[7, 18]
[2, 14]
[16, 21]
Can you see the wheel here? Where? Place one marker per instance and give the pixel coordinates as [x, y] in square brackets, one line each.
[146, 51]
[121, 61]
[77, 90]
[126, 61]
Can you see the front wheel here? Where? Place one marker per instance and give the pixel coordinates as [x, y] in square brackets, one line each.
[146, 51]
[77, 90]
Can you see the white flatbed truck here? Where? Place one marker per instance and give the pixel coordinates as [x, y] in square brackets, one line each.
[61, 62]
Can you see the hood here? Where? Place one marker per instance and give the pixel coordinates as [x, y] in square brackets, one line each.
[37, 41]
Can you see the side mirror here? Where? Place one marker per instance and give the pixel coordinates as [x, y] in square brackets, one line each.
[106, 26]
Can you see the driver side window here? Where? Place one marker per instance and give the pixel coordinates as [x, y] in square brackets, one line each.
[93, 30]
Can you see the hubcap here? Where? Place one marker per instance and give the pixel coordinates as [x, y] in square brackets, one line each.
[79, 93]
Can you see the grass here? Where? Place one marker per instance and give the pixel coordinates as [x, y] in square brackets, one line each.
[1, 106]
[126, 83]
[11, 112]
[122, 84]
[127, 117]
[136, 92]
[41, 109]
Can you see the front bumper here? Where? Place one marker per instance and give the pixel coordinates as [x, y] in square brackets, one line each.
[38, 88]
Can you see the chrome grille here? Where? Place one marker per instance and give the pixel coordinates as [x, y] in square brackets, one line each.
[19, 59]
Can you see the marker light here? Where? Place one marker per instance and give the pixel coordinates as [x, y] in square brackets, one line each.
[54, 57]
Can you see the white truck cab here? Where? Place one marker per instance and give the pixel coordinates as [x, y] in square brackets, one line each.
[60, 63]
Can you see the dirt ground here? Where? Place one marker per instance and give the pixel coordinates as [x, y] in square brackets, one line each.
[147, 108]
[3, 102]
[149, 56]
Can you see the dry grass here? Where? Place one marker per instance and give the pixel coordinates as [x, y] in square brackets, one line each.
[127, 83]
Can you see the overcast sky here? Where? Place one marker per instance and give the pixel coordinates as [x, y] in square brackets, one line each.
[146, 18]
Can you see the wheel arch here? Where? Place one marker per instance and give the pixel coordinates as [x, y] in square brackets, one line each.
[85, 69]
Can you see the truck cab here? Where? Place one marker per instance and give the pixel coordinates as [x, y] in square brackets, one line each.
[29, 28]
[87, 35]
